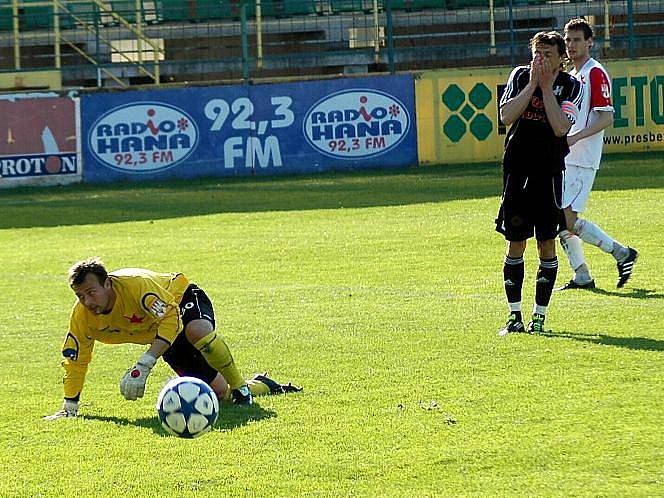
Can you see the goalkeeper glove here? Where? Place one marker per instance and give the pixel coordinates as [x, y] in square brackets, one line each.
[69, 409]
[132, 385]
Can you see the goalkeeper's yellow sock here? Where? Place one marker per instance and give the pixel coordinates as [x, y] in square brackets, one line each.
[256, 387]
[217, 354]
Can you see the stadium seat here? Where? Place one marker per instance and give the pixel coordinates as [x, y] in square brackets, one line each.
[41, 17]
[271, 8]
[204, 10]
[88, 13]
[231, 8]
[207, 10]
[150, 11]
[411, 5]
[504, 3]
[465, 4]
[300, 7]
[337, 6]
[6, 21]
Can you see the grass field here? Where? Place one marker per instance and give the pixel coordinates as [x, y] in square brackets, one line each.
[380, 293]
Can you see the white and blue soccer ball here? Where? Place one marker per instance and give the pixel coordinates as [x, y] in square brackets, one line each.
[187, 407]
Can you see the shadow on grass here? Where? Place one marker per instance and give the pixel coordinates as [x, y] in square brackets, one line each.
[633, 293]
[230, 417]
[635, 343]
[148, 201]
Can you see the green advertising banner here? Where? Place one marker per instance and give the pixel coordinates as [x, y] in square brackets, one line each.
[458, 122]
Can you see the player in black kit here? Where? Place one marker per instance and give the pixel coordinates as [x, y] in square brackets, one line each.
[540, 104]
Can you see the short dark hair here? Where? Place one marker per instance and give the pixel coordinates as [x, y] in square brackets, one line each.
[580, 24]
[552, 38]
[81, 269]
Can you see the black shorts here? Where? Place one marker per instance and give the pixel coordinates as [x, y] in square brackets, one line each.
[182, 356]
[531, 205]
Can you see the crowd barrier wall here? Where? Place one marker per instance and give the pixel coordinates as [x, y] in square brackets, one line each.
[437, 117]
[39, 142]
[302, 127]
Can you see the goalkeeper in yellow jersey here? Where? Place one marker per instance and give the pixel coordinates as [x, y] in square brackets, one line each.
[163, 310]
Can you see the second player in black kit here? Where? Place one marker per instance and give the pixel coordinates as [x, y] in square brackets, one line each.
[540, 103]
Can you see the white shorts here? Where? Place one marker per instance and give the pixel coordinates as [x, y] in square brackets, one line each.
[577, 186]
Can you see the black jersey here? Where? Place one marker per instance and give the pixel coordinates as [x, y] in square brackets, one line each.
[531, 146]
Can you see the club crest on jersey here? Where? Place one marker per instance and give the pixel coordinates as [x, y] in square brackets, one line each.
[152, 304]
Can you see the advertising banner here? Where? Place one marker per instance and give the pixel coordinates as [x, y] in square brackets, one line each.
[458, 120]
[301, 127]
[457, 115]
[38, 141]
[25, 81]
[638, 100]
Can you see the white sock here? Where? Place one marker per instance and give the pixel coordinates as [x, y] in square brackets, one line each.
[582, 274]
[539, 310]
[592, 234]
[573, 249]
[620, 252]
[515, 307]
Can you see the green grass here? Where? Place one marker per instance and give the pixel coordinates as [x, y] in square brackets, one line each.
[380, 293]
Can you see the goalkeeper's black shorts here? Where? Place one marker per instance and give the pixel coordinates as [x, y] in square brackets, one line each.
[182, 356]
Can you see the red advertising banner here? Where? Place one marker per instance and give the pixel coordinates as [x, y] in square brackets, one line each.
[38, 141]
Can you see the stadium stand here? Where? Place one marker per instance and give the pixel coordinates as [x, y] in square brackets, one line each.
[111, 43]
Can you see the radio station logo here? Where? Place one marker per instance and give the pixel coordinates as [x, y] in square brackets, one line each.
[358, 123]
[143, 137]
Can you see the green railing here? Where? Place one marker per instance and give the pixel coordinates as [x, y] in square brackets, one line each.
[62, 24]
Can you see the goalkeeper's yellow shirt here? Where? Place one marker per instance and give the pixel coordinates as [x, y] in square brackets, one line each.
[146, 308]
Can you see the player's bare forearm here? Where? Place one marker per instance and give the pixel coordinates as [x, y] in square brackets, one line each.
[604, 120]
[554, 114]
[514, 108]
[158, 348]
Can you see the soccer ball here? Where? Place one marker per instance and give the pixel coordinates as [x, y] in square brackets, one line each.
[187, 407]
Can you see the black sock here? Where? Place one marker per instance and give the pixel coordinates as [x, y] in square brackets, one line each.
[513, 271]
[546, 279]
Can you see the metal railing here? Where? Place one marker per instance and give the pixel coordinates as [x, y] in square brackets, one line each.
[61, 20]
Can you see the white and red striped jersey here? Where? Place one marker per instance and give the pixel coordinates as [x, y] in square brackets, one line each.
[596, 83]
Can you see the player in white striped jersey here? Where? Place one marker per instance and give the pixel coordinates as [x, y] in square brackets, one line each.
[585, 140]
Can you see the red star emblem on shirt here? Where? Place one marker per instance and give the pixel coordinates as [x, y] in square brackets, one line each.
[134, 319]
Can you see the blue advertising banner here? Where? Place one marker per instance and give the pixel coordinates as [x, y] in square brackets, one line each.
[300, 127]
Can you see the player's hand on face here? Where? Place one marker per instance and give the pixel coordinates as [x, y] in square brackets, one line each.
[535, 69]
[69, 409]
[546, 75]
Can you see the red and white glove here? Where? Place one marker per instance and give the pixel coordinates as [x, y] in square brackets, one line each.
[69, 409]
[132, 385]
